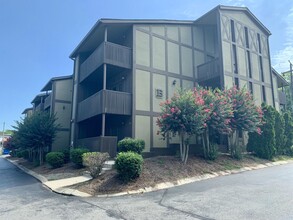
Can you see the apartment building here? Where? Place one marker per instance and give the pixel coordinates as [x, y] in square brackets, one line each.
[56, 98]
[123, 70]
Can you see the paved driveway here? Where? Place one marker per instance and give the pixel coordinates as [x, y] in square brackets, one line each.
[260, 194]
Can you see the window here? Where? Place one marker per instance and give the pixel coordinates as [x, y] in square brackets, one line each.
[261, 69]
[246, 37]
[232, 30]
[249, 64]
[264, 94]
[237, 82]
[250, 88]
[235, 65]
[258, 41]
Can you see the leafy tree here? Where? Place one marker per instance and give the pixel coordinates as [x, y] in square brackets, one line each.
[246, 117]
[184, 116]
[36, 134]
[219, 110]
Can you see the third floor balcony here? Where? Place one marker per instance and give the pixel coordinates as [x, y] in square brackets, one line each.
[108, 53]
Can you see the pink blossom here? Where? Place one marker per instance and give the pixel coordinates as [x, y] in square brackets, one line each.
[173, 110]
[258, 130]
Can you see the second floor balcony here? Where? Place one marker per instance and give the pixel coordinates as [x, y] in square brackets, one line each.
[108, 53]
[39, 107]
[105, 101]
[208, 70]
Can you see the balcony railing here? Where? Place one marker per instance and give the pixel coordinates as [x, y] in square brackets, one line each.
[47, 102]
[208, 70]
[39, 107]
[105, 101]
[100, 144]
[282, 98]
[108, 53]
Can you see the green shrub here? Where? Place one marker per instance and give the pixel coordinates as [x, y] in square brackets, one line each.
[288, 132]
[22, 153]
[76, 156]
[130, 144]
[66, 153]
[55, 159]
[264, 145]
[128, 165]
[94, 161]
[213, 153]
[279, 133]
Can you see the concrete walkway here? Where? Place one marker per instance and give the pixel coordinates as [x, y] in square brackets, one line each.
[62, 186]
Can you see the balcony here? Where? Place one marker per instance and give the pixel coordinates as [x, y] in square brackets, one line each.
[108, 53]
[105, 101]
[39, 107]
[47, 102]
[282, 98]
[100, 144]
[208, 70]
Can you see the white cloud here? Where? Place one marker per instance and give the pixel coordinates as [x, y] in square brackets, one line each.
[281, 57]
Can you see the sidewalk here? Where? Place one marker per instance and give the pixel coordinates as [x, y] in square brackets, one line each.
[62, 186]
[58, 186]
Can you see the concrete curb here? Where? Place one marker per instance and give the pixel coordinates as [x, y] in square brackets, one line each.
[60, 190]
[168, 185]
[73, 192]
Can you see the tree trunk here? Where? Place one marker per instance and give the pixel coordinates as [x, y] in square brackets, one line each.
[181, 145]
[183, 148]
[186, 153]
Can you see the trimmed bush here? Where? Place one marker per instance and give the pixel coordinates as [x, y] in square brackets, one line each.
[55, 159]
[66, 153]
[130, 144]
[94, 161]
[128, 165]
[22, 153]
[288, 132]
[76, 156]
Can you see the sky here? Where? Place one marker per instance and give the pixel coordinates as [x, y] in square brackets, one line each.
[37, 37]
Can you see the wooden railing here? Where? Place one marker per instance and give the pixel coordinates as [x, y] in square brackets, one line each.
[208, 70]
[100, 144]
[39, 107]
[47, 102]
[282, 98]
[105, 101]
[108, 53]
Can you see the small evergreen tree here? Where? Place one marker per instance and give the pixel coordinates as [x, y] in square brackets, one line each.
[264, 145]
[279, 133]
[35, 134]
[288, 133]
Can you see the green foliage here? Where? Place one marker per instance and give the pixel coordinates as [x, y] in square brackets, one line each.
[213, 153]
[264, 145]
[55, 159]
[246, 117]
[22, 154]
[94, 161]
[288, 132]
[36, 133]
[184, 116]
[128, 165]
[76, 156]
[130, 144]
[279, 133]
[66, 153]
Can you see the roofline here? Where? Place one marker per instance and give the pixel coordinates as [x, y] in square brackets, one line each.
[26, 110]
[280, 76]
[249, 12]
[125, 21]
[39, 95]
[55, 79]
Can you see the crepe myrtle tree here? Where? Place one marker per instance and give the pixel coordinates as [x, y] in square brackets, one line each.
[183, 115]
[246, 116]
[219, 109]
